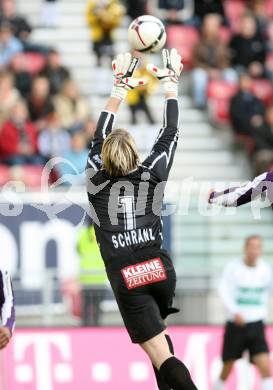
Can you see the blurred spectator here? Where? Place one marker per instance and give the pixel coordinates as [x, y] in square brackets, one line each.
[39, 102]
[8, 95]
[55, 72]
[18, 138]
[263, 139]
[137, 98]
[246, 110]
[73, 109]
[73, 167]
[53, 141]
[259, 9]
[9, 45]
[103, 17]
[136, 8]
[270, 37]
[204, 7]
[22, 78]
[211, 60]
[248, 49]
[172, 7]
[269, 43]
[92, 277]
[20, 25]
[50, 13]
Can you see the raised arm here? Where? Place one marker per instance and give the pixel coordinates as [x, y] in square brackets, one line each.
[104, 127]
[161, 157]
[123, 68]
[7, 310]
[237, 196]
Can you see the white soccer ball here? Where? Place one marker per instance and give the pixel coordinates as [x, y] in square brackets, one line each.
[147, 34]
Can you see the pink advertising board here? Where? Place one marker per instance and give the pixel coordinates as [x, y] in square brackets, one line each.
[105, 359]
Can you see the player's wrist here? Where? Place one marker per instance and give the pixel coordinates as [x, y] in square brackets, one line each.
[119, 93]
[171, 87]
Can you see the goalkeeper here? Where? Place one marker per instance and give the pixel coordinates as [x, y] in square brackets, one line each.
[125, 197]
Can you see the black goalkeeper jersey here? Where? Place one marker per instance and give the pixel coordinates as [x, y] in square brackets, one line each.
[127, 210]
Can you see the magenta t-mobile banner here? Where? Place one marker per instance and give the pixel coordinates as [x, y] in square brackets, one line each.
[105, 359]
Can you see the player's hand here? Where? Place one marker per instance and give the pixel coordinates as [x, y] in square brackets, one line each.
[171, 71]
[210, 195]
[239, 320]
[123, 67]
[5, 337]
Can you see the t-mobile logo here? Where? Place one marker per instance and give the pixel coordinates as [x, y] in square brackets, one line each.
[41, 370]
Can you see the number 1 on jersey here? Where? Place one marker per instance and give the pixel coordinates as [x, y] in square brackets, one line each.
[128, 205]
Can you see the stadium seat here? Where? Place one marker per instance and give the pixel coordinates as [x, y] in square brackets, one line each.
[234, 9]
[262, 88]
[184, 38]
[269, 8]
[31, 175]
[4, 174]
[34, 62]
[219, 94]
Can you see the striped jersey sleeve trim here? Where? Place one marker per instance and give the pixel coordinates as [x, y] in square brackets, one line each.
[106, 123]
[92, 164]
[108, 119]
[164, 154]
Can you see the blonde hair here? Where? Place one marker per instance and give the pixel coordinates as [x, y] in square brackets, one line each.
[119, 153]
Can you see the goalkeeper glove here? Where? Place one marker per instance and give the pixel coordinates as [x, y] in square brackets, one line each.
[123, 67]
[171, 71]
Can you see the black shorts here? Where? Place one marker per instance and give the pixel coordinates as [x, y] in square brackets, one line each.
[237, 340]
[144, 297]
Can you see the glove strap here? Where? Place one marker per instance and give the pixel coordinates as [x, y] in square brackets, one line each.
[119, 92]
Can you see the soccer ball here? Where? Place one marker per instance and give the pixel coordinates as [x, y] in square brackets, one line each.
[147, 34]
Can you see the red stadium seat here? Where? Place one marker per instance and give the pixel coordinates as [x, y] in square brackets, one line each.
[31, 175]
[269, 8]
[182, 35]
[34, 62]
[234, 9]
[219, 94]
[262, 88]
[184, 38]
[4, 174]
